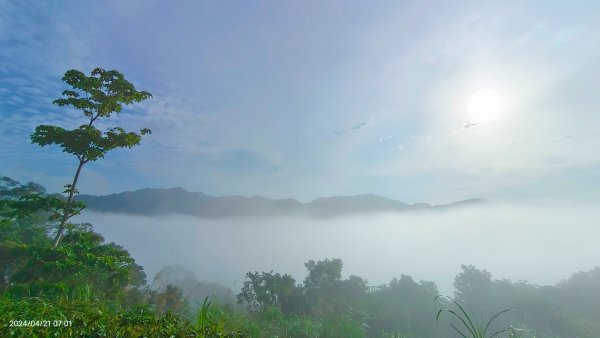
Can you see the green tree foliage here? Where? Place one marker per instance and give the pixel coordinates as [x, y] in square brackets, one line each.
[472, 286]
[20, 219]
[581, 294]
[21, 226]
[404, 306]
[339, 307]
[323, 274]
[30, 266]
[97, 96]
[331, 306]
[263, 290]
[322, 285]
[82, 259]
[569, 309]
[170, 298]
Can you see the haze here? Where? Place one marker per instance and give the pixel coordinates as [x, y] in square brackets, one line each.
[540, 244]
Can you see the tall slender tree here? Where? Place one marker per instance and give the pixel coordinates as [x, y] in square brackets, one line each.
[97, 96]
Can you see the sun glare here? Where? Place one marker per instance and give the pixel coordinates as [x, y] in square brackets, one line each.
[485, 106]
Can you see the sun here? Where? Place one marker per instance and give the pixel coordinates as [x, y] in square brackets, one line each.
[485, 106]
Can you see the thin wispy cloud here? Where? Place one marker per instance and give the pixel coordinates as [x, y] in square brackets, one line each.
[359, 126]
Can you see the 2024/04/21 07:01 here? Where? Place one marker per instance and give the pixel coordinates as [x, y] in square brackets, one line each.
[41, 323]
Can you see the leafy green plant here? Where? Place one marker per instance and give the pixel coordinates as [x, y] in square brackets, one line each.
[472, 328]
[210, 322]
[204, 316]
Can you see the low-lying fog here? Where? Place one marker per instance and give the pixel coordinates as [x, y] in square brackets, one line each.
[540, 244]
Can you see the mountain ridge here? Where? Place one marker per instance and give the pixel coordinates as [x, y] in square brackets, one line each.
[161, 201]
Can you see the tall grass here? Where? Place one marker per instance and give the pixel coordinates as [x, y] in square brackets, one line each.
[468, 327]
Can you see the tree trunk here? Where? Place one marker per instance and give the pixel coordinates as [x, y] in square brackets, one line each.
[66, 213]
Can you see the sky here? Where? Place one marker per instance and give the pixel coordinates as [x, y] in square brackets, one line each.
[308, 99]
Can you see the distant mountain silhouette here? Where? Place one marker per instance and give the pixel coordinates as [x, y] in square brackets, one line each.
[152, 202]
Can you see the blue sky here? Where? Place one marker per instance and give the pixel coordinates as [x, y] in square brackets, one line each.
[307, 99]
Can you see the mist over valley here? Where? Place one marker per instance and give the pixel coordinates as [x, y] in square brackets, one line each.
[539, 243]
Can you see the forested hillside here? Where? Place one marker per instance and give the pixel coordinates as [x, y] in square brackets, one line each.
[156, 202]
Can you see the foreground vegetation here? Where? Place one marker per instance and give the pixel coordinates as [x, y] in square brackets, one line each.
[61, 279]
